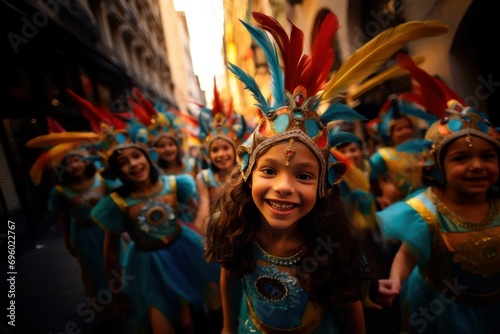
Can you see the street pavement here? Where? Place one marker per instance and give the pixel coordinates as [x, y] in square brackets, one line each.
[49, 294]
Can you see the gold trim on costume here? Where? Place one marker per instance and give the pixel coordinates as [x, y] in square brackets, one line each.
[311, 320]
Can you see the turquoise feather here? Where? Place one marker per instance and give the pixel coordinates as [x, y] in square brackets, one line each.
[341, 112]
[278, 85]
[252, 86]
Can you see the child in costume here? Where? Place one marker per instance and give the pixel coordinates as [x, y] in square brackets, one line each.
[81, 187]
[447, 270]
[355, 190]
[166, 138]
[221, 130]
[394, 174]
[290, 260]
[165, 275]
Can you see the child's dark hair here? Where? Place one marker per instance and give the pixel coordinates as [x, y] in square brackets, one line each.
[127, 186]
[330, 266]
[90, 171]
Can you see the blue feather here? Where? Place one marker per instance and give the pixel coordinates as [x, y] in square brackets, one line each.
[204, 120]
[273, 62]
[414, 146]
[252, 86]
[406, 108]
[341, 112]
[338, 137]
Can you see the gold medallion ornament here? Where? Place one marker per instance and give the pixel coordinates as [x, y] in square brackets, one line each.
[480, 256]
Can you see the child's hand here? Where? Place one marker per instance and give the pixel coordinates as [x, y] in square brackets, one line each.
[389, 190]
[387, 291]
[383, 202]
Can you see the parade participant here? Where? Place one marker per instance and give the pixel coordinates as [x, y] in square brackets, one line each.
[283, 204]
[448, 264]
[80, 188]
[221, 131]
[167, 275]
[394, 174]
[167, 140]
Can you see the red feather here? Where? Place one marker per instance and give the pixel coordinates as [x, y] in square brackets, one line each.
[290, 48]
[322, 56]
[216, 102]
[449, 93]
[140, 113]
[435, 100]
[54, 126]
[94, 114]
[144, 102]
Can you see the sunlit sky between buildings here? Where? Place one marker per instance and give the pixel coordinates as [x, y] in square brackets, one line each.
[205, 20]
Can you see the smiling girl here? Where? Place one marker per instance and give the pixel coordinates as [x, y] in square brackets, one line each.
[290, 261]
[448, 263]
[167, 275]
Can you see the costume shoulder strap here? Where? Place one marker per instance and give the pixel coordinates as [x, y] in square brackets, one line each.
[119, 201]
[173, 183]
[427, 215]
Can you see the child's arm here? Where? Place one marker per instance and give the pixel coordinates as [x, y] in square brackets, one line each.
[203, 214]
[114, 268]
[401, 268]
[65, 227]
[351, 318]
[231, 299]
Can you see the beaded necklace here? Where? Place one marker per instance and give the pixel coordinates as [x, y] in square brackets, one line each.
[457, 220]
[282, 261]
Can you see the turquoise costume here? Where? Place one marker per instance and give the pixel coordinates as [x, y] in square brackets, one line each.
[211, 181]
[164, 260]
[189, 172]
[274, 302]
[455, 286]
[85, 235]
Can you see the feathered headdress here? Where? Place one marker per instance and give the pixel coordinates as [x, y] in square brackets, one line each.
[59, 145]
[299, 86]
[220, 122]
[453, 119]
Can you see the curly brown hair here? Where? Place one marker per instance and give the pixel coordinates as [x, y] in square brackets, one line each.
[329, 269]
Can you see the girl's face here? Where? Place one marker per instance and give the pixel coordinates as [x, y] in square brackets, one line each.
[75, 165]
[222, 155]
[133, 164]
[284, 194]
[401, 131]
[353, 153]
[472, 170]
[167, 149]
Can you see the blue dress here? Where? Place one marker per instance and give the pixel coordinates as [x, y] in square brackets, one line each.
[274, 302]
[188, 173]
[455, 286]
[85, 235]
[164, 264]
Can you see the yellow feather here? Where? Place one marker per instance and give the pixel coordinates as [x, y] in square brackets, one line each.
[373, 54]
[46, 159]
[53, 139]
[391, 73]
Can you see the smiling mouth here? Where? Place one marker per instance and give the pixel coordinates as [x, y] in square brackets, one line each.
[281, 206]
